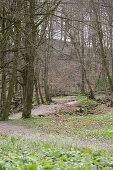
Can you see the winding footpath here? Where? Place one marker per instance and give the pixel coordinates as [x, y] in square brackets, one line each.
[11, 128]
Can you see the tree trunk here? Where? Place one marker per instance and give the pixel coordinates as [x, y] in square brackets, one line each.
[40, 93]
[29, 55]
[3, 44]
[37, 91]
[46, 87]
[82, 60]
[6, 107]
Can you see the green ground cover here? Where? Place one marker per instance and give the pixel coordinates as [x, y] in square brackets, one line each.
[99, 126]
[18, 153]
[78, 95]
[57, 148]
[86, 101]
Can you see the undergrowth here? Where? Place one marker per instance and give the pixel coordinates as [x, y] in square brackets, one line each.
[18, 153]
[86, 101]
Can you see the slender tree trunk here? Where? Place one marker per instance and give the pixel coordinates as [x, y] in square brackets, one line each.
[3, 44]
[82, 60]
[37, 91]
[40, 93]
[46, 86]
[104, 82]
[91, 95]
[6, 107]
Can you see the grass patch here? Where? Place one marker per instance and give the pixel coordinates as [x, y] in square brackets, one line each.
[98, 126]
[31, 154]
[81, 96]
[74, 96]
[104, 117]
[86, 102]
[43, 123]
[34, 122]
[58, 97]
[103, 132]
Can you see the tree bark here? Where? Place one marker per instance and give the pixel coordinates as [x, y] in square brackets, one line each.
[3, 45]
[29, 55]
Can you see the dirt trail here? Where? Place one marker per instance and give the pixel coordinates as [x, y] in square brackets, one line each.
[47, 109]
[11, 128]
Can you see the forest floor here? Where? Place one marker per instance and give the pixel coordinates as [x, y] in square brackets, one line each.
[48, 108]
[73, 120]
